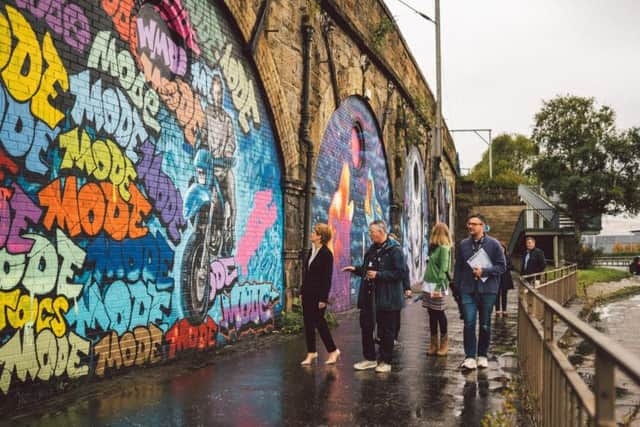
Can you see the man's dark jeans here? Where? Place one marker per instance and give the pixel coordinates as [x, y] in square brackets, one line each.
[386, 323]
[472, 305]
[367, 325]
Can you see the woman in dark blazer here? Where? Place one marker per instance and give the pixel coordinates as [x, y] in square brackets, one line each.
[318, 268]
[506, 283]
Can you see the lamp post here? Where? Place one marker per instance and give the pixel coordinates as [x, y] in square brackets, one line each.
[477, 132]
[436, 152]
[438, 144]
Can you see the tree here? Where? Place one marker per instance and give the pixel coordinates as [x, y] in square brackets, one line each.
[512, 156]
[593, 168]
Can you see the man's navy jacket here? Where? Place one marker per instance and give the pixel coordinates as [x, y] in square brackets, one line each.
[463, 277]
[536, 263]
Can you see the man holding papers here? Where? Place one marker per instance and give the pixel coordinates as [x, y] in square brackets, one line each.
[479, 263]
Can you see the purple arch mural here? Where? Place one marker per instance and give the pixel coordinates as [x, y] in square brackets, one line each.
[352, 189]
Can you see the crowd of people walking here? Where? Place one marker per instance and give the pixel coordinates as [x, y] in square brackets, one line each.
[481, 281]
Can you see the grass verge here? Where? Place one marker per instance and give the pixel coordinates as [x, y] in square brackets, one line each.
[588, 277]
[517, 407]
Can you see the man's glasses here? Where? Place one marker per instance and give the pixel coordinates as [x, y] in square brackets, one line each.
[473, 224]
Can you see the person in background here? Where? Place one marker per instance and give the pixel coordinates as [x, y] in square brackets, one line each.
[634, 267]
[506, 283]
[406, 286]
[478, 286]
[533, 260]
[316, 285]
[437, 287]
[382, 271]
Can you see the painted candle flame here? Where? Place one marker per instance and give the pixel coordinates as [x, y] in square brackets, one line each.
[340, 215]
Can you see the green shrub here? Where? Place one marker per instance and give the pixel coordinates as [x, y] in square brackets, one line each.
[586, 255]
[292, 322]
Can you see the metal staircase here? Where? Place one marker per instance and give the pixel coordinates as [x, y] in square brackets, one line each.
[540, 215]
[551, 212]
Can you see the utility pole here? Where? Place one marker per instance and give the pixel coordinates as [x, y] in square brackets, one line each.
[438, 143]
[436, 147]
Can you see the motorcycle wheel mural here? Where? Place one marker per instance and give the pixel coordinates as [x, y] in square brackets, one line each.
[141, 211]
[352, 190]
[415, 217]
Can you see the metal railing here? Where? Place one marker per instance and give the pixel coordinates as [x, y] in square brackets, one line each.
[559, 394]
[613, 261]
[517, 230]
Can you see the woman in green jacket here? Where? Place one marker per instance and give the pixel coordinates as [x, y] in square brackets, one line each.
[436, 287]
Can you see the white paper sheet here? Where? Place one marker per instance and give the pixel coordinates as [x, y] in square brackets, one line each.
[480, 259]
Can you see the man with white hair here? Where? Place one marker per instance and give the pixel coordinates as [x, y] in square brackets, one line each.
[381, 290]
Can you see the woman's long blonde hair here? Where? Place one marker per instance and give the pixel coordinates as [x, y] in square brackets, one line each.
[440, 235]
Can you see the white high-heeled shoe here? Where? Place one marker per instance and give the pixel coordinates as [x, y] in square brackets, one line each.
[333, 357]
[309, 359]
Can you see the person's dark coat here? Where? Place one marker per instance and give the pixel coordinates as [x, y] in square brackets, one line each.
[634, 267]
[506, 281]
[387, 287]
[316, 282]
[536, 262]
[463, 277]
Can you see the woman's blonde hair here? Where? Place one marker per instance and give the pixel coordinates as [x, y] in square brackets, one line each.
[440, 235]
[323, 231]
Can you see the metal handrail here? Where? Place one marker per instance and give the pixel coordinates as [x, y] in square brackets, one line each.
[620, 261]
[521, 225]
[561, 396]
[547, 276]
[517, 229]
[623, 358]
[527, 193]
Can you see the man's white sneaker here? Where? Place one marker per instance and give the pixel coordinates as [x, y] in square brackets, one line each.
[469, 364]
[483, 363]
[383, 367]
[365, 364]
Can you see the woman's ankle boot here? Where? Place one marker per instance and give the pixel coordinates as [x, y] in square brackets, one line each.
[444, 346]
[433, 345]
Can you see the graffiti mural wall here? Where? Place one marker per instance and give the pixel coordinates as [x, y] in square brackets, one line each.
[444, 202]
[140, 201]
[352, 190]
[415, 217]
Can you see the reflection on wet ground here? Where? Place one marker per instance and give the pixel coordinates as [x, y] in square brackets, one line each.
[268, 387]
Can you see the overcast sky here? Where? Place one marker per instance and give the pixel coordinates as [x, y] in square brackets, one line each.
[502, 58]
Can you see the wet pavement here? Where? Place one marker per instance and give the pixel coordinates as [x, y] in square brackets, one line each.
[269, 387]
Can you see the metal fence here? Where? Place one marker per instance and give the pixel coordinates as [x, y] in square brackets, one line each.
[613, 261]
[559, 394]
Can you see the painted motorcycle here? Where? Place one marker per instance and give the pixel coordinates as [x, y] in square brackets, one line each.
[204, 206]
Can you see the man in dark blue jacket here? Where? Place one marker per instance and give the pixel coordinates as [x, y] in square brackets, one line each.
[533, 259]
[478, 286]
[381, 293]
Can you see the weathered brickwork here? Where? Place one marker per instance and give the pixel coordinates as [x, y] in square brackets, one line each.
[152, 172]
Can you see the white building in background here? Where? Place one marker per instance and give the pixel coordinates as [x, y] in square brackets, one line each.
[623, 243]
[619, 234]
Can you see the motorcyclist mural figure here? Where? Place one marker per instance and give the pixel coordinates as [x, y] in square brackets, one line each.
[211, 206]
